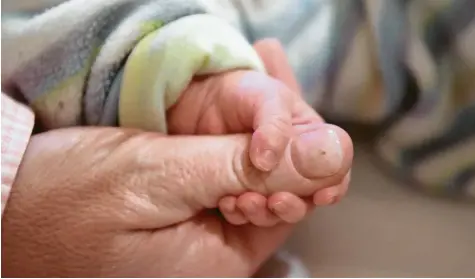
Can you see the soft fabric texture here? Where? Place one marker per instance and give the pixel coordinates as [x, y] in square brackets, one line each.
[17, 124]
[163, 63]
[403, 67]
[118, 61]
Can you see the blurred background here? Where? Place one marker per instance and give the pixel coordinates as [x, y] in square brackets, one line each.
[386, 229]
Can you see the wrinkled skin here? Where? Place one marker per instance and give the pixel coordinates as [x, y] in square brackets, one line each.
[270, 107]
[96, 202]
[98, 215]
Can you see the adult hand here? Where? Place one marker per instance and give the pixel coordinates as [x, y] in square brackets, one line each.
[116, 202]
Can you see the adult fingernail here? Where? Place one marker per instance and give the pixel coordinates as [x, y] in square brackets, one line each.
[266, 160]
[318, 153]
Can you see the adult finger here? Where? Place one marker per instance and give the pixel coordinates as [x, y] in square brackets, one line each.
[148, 181]
[170, 179]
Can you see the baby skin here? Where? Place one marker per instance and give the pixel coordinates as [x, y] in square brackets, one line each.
[298, 160]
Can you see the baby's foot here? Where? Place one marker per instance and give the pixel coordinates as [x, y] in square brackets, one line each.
[314, 160]
[259, 210]
[287, 137]
[255, 208]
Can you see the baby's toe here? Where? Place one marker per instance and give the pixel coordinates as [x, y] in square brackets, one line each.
[254, 207]
[230, 212]
[333, 194]
[289, 207]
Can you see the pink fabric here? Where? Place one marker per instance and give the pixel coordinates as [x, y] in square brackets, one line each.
[17, 125]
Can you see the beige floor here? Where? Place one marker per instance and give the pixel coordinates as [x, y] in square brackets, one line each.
[383, 229]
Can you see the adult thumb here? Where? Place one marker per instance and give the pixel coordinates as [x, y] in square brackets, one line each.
[171, 179]
[143, 180]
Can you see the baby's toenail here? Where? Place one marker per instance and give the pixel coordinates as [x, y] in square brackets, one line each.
[318, 153]
[280, 207]
[266, 160]
[326, 197]
[251, 206]
[333, 200]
